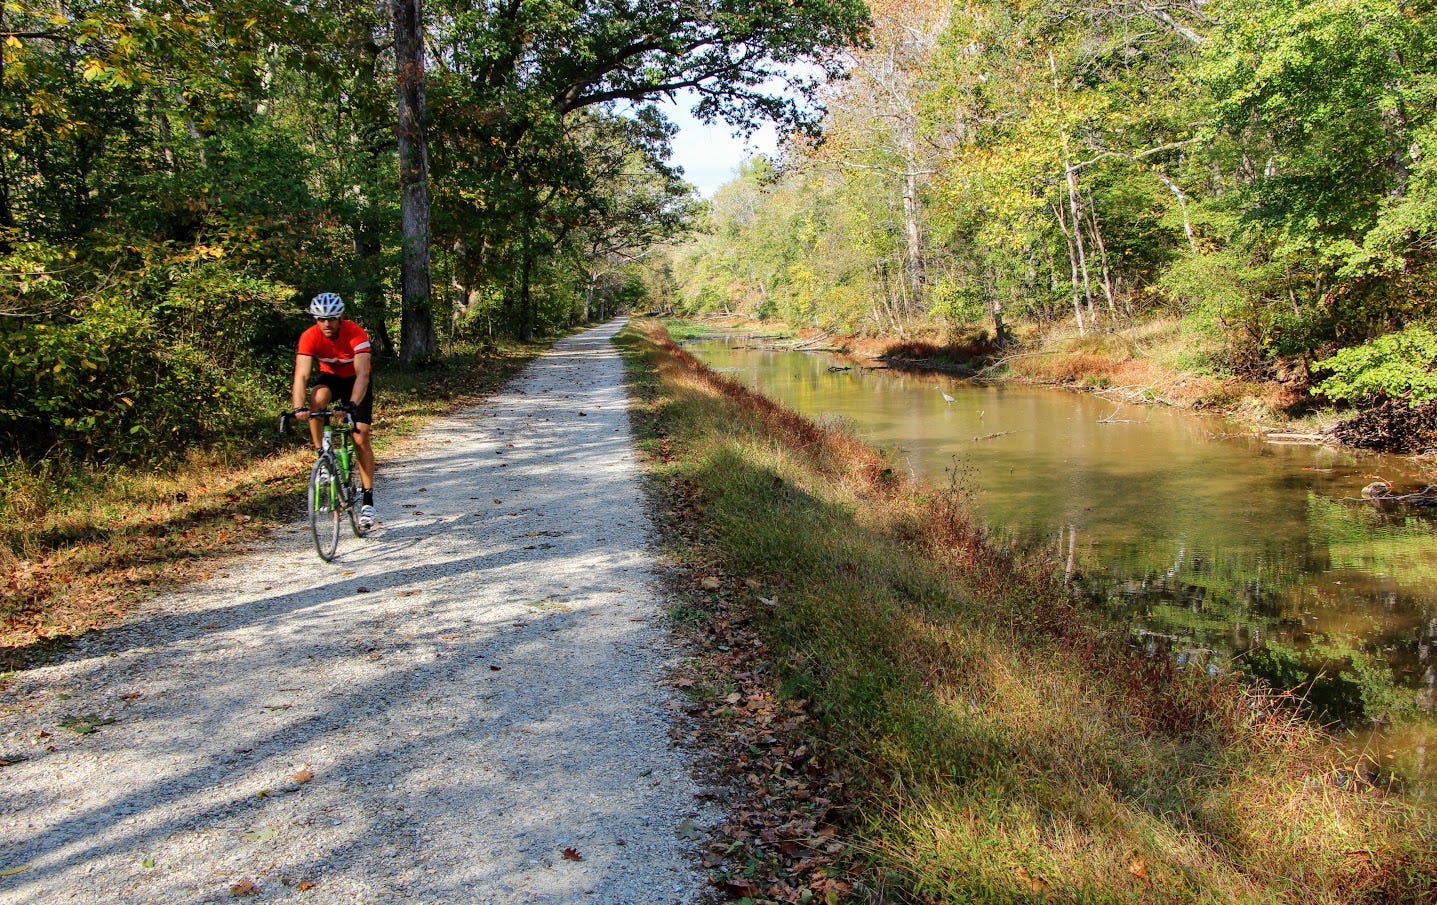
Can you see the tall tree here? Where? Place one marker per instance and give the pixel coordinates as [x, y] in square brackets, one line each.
[417, 339]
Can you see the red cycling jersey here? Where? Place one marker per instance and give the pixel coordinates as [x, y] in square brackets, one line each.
[336, 356]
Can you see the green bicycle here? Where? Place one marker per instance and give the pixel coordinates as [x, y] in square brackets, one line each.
[334, 487]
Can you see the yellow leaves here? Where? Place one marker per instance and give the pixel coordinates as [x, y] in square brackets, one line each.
[95, 71]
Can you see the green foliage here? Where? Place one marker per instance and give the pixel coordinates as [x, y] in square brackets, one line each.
[1214, 164]
[1400, 365]
[174, 178]
[959, 300]
[120, 381]
[1332, 682]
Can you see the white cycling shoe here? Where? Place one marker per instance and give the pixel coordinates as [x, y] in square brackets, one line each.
[367, 517]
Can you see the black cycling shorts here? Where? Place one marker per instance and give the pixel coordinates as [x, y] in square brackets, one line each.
[341, 387]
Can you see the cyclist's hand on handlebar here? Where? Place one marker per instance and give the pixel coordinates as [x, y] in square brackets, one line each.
[348, 407]
[301, 412]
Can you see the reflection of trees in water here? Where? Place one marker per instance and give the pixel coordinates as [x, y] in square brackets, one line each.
[1368, 640]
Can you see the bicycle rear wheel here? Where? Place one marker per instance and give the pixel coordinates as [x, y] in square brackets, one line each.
[324, 506]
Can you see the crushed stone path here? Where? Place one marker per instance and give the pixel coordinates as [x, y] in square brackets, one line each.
[466, 706]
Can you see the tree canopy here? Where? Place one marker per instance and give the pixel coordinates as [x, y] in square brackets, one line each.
[1262, 169]
[177, 179]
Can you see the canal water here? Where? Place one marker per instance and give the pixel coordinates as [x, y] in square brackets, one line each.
[1199, 536]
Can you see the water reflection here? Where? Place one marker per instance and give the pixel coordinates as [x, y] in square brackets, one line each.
[1189, 530]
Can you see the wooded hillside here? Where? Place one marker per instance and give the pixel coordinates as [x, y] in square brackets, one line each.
[1262, 169]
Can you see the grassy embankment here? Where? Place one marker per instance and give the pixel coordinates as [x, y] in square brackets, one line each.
[934, 722]
[79, 543]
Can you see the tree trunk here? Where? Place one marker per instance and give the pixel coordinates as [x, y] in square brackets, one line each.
[1102, 258]
[1075, 208]
[1183, 206]
[1073, 265]
[367, 249]
[526, 303]
[7, 214]
[417, 339]
[913, 229]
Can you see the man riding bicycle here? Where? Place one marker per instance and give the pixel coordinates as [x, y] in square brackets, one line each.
[342, 349]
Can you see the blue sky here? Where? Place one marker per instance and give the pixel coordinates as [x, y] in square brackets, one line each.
[710, 155]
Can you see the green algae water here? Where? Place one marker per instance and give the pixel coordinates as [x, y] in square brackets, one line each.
[1205, 540]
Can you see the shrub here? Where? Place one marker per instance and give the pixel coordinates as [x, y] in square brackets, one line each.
[1396, 365]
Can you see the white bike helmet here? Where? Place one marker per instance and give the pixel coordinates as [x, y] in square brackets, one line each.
[326, 304]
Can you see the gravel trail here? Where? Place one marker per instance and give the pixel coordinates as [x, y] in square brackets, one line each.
[466, 706]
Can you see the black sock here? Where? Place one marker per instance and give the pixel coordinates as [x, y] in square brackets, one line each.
[369, 497]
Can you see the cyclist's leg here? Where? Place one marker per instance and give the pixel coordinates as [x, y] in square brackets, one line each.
[366, 454]
[363, 417]
[321, 394]
[328, 388]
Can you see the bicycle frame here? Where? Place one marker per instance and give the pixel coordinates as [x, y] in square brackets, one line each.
[334, 487]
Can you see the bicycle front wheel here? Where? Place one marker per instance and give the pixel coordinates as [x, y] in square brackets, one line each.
[324, 505]
[356, 499]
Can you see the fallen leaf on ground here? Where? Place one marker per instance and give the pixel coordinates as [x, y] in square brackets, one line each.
[12, 871]
[86, 724]
[710, 583]
[741, 886]
[305, 886]
[1035, 885]
[245, 888]
[572, 854]
[1139, 868]
[361, 590]
[303, 775]
[688, 830]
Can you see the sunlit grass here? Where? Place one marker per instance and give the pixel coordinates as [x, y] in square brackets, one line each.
[1000, 747]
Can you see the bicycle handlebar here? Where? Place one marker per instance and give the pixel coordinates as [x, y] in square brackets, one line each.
[326, 414]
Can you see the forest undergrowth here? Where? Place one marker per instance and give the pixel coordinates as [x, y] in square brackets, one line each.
[903, 712]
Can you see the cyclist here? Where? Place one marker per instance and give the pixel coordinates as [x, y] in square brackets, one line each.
[342, 349]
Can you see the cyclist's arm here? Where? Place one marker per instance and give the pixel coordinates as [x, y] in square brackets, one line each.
[361, 377]
[302, 366]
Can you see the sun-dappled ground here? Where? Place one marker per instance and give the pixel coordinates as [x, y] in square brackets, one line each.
[80, 543]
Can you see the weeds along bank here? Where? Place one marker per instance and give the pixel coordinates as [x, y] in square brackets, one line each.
[981, 740]
[81, 541]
